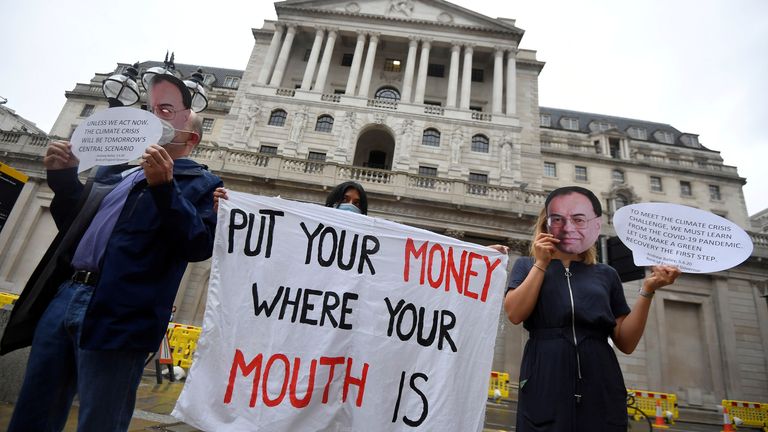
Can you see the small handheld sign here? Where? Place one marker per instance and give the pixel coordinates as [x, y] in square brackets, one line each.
[694, 240]
[114, 136]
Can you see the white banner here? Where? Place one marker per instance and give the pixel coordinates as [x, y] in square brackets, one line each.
[694, 240]
[114, 136]
[319, 319]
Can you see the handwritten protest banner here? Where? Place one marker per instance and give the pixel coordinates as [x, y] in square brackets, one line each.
[694, 240]
[321, 319]
[114, 136]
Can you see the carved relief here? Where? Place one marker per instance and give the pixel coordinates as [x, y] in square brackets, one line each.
[297, 128]
[352, 7]
[507, 145]
[456, 142]
[344, 147]
[406, 138]
[404, 7]
[445, 18]
[250, 119]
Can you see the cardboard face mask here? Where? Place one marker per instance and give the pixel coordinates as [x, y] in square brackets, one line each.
[167, 103]
[572, 220]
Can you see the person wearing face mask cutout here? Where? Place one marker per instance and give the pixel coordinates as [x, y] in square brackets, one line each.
[101, 298]
[569, 377]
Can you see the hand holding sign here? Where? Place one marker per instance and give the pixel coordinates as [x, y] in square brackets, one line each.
[694, 240]
[114, 136]
[59, 156]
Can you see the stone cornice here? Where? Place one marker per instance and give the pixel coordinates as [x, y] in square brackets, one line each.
[517, 33]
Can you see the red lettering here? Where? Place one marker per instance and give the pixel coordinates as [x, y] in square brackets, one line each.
[295, 401]
[488, 274]
[360, 382]
[439, 281]
[332, 362]
[420, 252]
[458, 278]
[239, 363]
[267, 369]
[472, 256]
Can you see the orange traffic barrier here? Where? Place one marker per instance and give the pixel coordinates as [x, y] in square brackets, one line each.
[659, 423]
[726, 420]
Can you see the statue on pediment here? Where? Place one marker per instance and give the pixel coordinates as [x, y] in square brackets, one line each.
[404, 7]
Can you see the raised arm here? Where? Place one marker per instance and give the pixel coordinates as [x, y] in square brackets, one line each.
[519, 302]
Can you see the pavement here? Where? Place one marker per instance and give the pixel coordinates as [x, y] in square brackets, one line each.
[154, 403]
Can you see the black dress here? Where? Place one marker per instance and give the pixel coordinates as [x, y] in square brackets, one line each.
[566, 386]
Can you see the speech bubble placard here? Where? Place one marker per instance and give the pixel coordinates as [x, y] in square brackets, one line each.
[114, 136]
[694, 240]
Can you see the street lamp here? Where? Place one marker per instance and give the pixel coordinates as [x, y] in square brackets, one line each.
[121, 89]
[199, 95]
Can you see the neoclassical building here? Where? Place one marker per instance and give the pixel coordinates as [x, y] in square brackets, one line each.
[434, 109]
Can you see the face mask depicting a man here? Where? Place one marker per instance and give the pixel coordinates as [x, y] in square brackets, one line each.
[572, 220]
[169, 100]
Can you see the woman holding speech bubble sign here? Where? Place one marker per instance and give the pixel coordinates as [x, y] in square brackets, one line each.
[570, 378]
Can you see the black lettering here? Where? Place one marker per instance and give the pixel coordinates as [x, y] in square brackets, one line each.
[247, 249]
[263, 307]
[433, 330]
[310, 239]
[294, 303]
[392, 313]
[352, 252]
[366, 252]
[346, 310]
[322, 261]
[270, 234]
[327, 308]
[308, 306]
[409, 333]
[424, 401]
[444, 335]
[233, 226]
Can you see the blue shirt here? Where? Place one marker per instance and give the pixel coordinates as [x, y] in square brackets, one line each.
[94, 242]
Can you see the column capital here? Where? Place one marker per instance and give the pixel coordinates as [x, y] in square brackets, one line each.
[374, 36]
[413, 40]
[499, 49]
[469, 46]
[512, 52]
[426, 43]
[279, 25]
[292, 27]
[455, 47]
[333, 31]
[361, 35]
[319, 29]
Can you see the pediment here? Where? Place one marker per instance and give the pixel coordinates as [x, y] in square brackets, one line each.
[430, 11]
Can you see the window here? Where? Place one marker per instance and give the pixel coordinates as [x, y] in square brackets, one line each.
[307, 53]
[479, 180]
[656, 184]
[277, 118]
[324, 123]
[316, 156]
[426, 171]
[231, 82]
[545, 120]
[690, 140]
[346, 59]
[619, 202]
[617, 176]
[392, 65]
[268, 149]
[581, 173]
[601, 126]
[207, 125]
[480, 143]
[339, 91]
[685, 189]
[550, 169]
[436, 70]
[638, 133]
[615, 148]
[431, 137]
[569, 123]
[387, 93]
[665, 137]
[477, 75]
[714, 193]
[433, 103]
[476, 108]
[87, 110]
[208, 79]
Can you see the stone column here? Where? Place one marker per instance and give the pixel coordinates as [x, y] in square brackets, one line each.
[512, 81]
[466, 77]
[269, 59]
[498, 80]
[309, 72]
[282, 59]
[409, 67]
[322, 75]
[453, 76]
[365, 84]
[354, 70]
[421, 82]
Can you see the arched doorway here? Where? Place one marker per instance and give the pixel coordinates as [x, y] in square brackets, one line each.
[375, 148]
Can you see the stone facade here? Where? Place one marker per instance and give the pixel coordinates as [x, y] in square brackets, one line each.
[434, 109]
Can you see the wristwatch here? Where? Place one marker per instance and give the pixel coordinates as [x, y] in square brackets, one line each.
[648, 295]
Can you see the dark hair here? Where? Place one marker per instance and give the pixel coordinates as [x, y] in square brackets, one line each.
[567, 190]
[186, 96]
[336, 196]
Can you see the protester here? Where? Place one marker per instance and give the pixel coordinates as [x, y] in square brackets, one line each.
[570, 378]
[101, 298]
[349, 196]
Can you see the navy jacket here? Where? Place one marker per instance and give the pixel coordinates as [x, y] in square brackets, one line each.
[159, 231]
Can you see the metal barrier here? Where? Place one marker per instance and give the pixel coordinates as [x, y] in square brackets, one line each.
[753, 414]
[183, 341]
[646, 402]
[499, 385]
[7, 299]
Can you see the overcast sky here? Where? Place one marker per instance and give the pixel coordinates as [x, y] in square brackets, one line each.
[698, 65]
